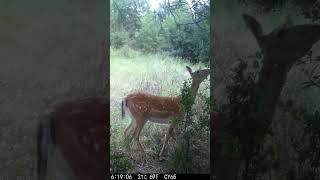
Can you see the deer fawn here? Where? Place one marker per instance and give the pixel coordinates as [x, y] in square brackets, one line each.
[281, 48]
[71, 141]
[142, 107]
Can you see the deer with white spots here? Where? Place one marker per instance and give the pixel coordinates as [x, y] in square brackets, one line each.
[143, 107]
[72, 141]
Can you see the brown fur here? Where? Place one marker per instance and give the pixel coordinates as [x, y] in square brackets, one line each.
[80, 132]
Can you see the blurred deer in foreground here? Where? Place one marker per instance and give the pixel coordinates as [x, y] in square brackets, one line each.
[71, 141]
[281, 48]
[142, 107]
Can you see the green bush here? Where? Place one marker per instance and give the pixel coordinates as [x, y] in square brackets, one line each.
[244, 134]
[169, 29]
[119, 39]
[188, 155]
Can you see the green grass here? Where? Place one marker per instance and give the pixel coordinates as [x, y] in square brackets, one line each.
[132, 71]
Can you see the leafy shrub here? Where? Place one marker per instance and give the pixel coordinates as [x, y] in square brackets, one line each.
[188, 157]
[307, 146]
[119, 39]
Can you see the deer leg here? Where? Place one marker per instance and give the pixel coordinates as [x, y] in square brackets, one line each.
[137, 131]
[167, 137]
[128, 128]
[132, 129]
[172, 133]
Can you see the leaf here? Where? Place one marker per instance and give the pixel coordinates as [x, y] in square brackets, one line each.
[316, 76]
[314, 69]
[306, 85]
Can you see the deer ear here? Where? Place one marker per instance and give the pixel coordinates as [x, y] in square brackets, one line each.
[256, 29]
[253, 25]
[189, 70]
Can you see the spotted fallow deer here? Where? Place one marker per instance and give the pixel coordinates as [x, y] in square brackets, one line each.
[72, 141]
[142, 107]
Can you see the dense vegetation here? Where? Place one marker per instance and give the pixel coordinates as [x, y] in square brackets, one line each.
[309, 8]
[176, 28]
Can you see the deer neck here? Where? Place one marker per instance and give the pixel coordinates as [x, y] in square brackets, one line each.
[271, 82]
[194, 89]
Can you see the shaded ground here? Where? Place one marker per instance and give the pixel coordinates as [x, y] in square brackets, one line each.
[49, 51]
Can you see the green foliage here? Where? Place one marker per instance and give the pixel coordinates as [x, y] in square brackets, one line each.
[188, 42]
[204, 120]
[308, 146]
[119, 39]
[180, 29]
[181, 159]
[242, 107]
[266, 5]
[148, 38]
[309, 8]
[185, 37]
[311, 70]
[248, 135]
[186, 100]
[125, 15]
[184, 158]
[243, 131]
[312, 131]
[119, 162]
